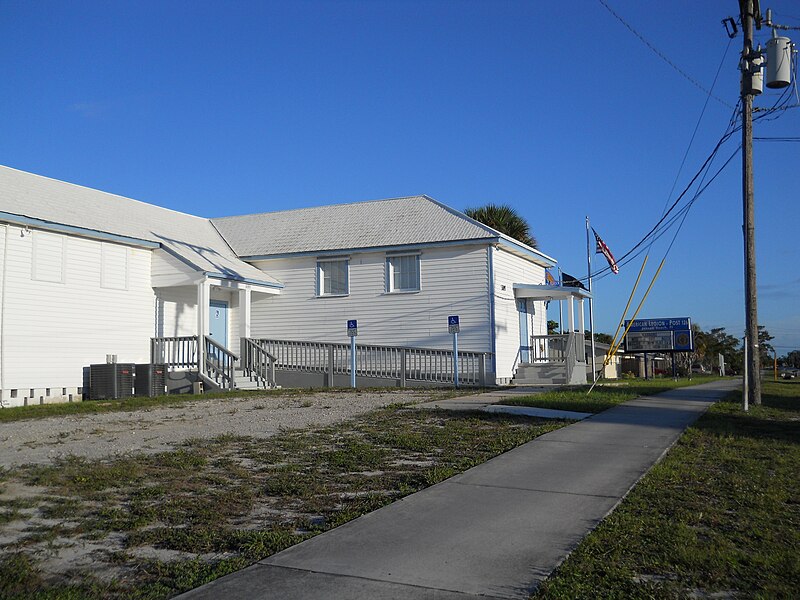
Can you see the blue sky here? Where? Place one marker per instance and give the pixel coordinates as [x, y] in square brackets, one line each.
[555, 108]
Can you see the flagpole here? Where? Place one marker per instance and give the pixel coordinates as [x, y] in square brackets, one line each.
[591, 312]
[560, 307]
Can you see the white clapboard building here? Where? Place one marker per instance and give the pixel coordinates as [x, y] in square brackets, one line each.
[86, 275]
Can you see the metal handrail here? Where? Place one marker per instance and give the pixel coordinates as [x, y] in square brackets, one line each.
[218, 364]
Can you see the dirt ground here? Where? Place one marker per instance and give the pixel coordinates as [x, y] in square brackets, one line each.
[181, 491]
[160, 429]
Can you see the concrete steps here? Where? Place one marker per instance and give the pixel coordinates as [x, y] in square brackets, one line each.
[540, 374]
[243, 382]
[240, 382]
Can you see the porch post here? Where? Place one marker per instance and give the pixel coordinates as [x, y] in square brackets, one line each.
[571, 315]
[245, 298]
[580, 315]
[203, 299]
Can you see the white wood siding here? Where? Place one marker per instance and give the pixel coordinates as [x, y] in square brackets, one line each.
[48, 257]
[52, 330]
[176, 311]
[4, 232]
[166, 270]
[114, 267]
[508, 270]
[454, 280]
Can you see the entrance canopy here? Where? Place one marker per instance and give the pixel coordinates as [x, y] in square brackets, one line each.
[549, 292]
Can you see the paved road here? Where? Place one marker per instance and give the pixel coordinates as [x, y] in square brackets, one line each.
[494, 531]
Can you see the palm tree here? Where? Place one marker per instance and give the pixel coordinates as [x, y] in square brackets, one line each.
[505, 219]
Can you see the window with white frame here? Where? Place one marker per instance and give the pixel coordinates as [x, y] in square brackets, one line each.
[402, 273]
[332, 277]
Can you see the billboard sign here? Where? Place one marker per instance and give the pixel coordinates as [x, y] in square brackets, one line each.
[659, 335]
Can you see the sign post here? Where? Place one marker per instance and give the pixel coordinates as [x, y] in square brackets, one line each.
[352, 332]
[453, 326]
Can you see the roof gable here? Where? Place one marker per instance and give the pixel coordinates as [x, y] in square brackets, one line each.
[192, 239]
[396, 222]
[378, 223]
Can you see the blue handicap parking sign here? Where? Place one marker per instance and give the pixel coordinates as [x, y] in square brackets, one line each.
[452, 324]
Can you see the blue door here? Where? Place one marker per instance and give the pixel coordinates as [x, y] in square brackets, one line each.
[524, 336]
[218, 322]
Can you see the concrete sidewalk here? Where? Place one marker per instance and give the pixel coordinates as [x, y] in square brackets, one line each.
[494, 531]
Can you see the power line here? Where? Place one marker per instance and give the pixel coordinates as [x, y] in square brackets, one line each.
[665, 223]
[662, 56]
[729, 132]
[696, 127]
[662, 227]
[777, 139]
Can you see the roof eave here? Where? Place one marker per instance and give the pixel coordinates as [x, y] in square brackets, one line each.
[389, 248]
[77, 231]
[527, 252]
[228, 277]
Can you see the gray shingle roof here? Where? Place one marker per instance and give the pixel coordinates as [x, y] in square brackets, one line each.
[192, 238]
[378, 223]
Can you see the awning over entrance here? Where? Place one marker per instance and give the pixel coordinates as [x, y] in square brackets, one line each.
[549, 292]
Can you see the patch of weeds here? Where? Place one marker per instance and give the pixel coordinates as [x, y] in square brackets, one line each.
[19, 577]
[40, 534]
[178, 459]
[354, 508]
[79, 476]
[8, 514]
[166, 579]
[253, 545]
[117, 518]
[57, 507]
[353, 455]
[256, 545]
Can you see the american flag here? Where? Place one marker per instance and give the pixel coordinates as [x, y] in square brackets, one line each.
[603, 249]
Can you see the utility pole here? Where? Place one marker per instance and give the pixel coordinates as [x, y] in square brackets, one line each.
[748, 9]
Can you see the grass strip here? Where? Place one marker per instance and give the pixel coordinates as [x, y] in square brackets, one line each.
[152, 526]
[719, 517]
[604, 395]
[41, 411]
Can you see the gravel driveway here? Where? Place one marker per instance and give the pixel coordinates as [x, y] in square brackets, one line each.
[160, 429]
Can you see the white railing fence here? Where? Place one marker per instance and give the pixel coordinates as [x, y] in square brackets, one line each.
[381, 362]
[175, 352]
